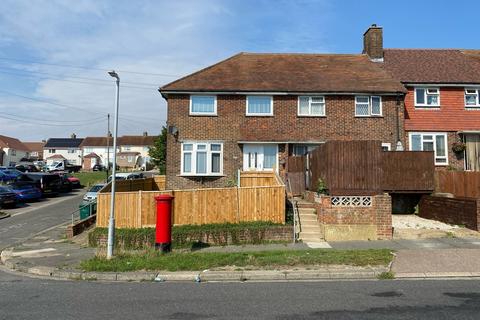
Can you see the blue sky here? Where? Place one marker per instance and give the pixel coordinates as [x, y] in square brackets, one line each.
[154, 42]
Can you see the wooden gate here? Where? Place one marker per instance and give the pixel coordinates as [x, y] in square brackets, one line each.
[296, 175]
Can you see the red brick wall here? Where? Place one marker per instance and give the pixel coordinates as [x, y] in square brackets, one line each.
[460, 211]
[231, 125]
[379, 214]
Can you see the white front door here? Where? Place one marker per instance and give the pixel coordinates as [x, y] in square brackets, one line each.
[260, 157]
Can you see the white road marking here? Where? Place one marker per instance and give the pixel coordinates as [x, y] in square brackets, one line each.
[40, 253]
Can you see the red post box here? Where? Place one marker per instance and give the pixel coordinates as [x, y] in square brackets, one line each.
[163, 231]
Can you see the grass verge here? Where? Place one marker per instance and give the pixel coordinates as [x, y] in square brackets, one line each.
[88, 179]
[386, 276]
[256, 260]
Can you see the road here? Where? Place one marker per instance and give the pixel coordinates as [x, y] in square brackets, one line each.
[26, 222]
[33, 298]
[24, 298]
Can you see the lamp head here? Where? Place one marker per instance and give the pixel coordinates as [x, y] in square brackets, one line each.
[113, 74]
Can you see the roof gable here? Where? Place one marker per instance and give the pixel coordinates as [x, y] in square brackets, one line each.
[255, 72]
[433, 65]
[13, 143]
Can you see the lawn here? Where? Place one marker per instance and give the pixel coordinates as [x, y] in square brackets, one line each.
[253, 260]
[90, 178]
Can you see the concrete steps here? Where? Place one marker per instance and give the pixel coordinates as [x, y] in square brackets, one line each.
[311, 232]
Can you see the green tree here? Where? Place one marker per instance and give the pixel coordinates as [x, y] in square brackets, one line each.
[158, 152]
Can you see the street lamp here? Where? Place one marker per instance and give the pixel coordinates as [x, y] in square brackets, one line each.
[111, 221]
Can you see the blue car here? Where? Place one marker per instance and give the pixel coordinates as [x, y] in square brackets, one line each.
[9, 174]
[25, 191]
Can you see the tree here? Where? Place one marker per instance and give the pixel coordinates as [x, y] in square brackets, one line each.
[158, 152]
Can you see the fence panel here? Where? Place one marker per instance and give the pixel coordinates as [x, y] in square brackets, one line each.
[408, 171]
[296, 174]
[159, 183]
[459, 183]
[200, 206]
[130, 185]
[257, 179]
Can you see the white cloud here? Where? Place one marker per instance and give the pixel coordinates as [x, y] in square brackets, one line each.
[167, 37]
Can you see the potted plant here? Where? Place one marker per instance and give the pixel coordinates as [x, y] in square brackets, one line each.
[458, 147]
[321, 189]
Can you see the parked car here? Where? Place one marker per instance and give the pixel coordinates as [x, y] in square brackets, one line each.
[69, 182]
[26, 168]
[127, 176]
[74, 181]
[50, 184]
[91, 195]
[39, 164]
[3, 177]
[9, 174]
[25, 191]
[98, 167]
[8, 198]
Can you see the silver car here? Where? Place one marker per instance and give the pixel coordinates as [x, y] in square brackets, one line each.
[91, 195]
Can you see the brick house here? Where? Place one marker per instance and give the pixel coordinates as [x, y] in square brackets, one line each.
[442, 103]
[251, 111]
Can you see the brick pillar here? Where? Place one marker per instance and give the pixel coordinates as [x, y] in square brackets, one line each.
[383, 215]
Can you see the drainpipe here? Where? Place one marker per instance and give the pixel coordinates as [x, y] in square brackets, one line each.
[399, 146]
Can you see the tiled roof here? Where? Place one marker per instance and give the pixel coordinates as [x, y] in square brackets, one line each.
[92, 155]
[9, 142]
[34, 146]
[96, 142]
[250, 72]
[56, 156]
[63, 143]
[433, 65]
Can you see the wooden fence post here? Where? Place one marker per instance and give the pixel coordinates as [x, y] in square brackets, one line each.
[139, 209]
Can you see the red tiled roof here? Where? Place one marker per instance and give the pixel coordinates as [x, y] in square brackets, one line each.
[92, 155]
[433, 65]
[34, 146]
[121, 141]
[9, 142]
[256, 72]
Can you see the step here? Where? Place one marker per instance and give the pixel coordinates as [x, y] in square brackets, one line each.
[305, 205]
[307, 210]
[311, 228]
[311, 239]
[308, 216]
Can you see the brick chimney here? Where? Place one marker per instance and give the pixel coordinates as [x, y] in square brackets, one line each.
[373, 43]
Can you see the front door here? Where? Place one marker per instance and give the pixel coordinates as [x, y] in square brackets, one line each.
[260, 157]
[472, 152]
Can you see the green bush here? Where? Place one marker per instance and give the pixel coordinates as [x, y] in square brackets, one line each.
[188, 235]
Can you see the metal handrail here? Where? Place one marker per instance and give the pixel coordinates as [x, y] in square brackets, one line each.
[296, 218]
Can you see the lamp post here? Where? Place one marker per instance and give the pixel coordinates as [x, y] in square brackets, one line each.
[111, 221]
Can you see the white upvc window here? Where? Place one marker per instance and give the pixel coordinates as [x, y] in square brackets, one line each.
[202, 159]
[430, 141]
[311, 106]
[203, 105]
[472, 97]
[427, 97]
[259, 106]
[368, 106]
[386, 146]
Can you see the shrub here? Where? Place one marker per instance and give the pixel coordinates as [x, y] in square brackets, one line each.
[321, 186]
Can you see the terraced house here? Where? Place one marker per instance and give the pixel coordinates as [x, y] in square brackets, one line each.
[251, 111]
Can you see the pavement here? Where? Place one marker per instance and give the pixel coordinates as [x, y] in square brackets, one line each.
[49, 254]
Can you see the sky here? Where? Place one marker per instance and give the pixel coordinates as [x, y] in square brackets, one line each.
[55, 54]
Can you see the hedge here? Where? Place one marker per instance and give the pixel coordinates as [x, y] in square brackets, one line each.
[188, 235]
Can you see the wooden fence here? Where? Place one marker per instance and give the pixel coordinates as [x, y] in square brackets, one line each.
[459, 183]
[361, 167]
[200, 206]
[157, 183]
[258, 179]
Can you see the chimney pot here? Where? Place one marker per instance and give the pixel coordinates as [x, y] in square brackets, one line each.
[73, 136]
[145, 133]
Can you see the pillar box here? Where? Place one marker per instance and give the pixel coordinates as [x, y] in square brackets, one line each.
[163, 230]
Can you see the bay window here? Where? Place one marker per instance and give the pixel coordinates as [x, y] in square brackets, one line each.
[202, 158]
[428, 141]
[427, 97]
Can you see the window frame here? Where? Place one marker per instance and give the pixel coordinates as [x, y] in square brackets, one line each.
[370, 114]
[425, 97]
[434, 141]
[477, 100]
[310, 106]
[249, 114]
[193, 113]
[193, 158]
[387, 145]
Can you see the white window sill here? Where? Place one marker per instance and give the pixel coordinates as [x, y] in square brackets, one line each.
[311, 116]
[259, 115]
[369, 116]
[427, 107]
[203, 114]
[188, 175]
[472, 107]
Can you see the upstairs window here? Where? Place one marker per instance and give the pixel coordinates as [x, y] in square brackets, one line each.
[202, 158]
[203, 105]
[368, 106]
[259, 106]
[51, 150]
[311, 106]
[427, 97]
[472, 97]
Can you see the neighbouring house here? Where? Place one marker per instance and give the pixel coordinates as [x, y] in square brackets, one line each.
[252, 110]
[68, 148]
[442, 103]
[36, 149]
[132, 151]
[12, 151]
[135, 148]
[95, 150]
